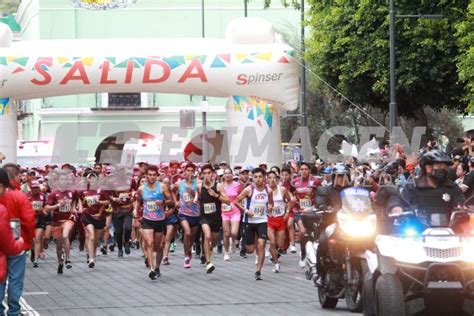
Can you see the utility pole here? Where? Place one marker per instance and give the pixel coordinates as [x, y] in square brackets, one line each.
[204, 105]
[393, 94]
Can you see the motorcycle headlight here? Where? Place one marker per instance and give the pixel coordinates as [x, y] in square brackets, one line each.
[401, 249]
[468, 250]
[357, 228]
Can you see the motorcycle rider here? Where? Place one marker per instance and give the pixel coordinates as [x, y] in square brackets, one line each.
[330, 197]
[432, 191]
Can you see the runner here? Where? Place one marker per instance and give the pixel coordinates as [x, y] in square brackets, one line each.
[171, 223]
[277, 219]
[187, 199]
[286, 182]
[155, 197]
[92, 204]
[259, 203]
[211, 196]
[62, 204]
[230, 213]
[305, 191]
[244, 181]
[37, 200]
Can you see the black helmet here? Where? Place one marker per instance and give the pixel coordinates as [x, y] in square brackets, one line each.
[434, 156]
[340, 169]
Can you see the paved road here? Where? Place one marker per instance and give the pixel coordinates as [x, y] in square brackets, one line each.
[121, 287]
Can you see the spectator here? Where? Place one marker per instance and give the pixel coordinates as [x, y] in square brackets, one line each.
[18, 207]
[8, 247]
[14, 173]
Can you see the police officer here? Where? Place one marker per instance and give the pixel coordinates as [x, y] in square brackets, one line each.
[432, 192]
[330, 197]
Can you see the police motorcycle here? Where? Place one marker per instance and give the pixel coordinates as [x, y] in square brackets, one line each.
[425, 265]
[348, 237]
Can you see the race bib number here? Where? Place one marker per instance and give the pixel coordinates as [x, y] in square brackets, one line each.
[279, 210]
[210, 208]
[66, 208]
[151, 206]
[187, 198]
[123, 197]
[305, 203]
[226, 207]
[259, 209]
[37, 205]
[92, 200]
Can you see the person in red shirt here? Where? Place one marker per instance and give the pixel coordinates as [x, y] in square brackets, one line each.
[18, 207]
[38, 202]
[61, 203]
[305, 193]
[8, 245]
[92, 203]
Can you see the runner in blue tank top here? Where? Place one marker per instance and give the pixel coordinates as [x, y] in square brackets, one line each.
[154, 196]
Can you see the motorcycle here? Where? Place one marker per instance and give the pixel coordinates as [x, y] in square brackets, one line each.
[352, 232]
[424, 265]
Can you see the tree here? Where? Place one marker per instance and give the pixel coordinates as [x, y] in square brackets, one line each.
[465, 61]
[8, 7]
[348, 47]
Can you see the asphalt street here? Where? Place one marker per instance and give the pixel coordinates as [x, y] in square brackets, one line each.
[120, 286]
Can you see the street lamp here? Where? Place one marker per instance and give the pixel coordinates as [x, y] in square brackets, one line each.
[393, 108]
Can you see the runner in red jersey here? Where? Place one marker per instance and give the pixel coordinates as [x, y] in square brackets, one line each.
[38, 202]
[305, 192]
[62, 204]
[92, 203]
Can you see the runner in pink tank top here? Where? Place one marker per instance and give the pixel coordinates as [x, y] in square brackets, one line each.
[230, 213]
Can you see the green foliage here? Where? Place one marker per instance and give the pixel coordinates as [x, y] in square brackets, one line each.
[287, 3]
[465, 61]
[8, 7]
[349, 48]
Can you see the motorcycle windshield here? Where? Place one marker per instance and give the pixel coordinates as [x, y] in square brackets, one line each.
[356, 201]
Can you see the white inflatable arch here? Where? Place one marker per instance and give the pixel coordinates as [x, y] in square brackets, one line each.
[258, 74]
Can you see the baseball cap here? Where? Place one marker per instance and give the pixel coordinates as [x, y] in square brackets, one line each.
[220, 172]
[237, 167]
[457, 157]
[35, 184]
[247, 169]
[4, 178]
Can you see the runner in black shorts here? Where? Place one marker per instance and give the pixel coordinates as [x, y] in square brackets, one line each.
[211, 195]
[38, 201]
[154, 196]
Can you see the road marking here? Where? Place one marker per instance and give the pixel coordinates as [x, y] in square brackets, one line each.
[27, 308]
[35, 293]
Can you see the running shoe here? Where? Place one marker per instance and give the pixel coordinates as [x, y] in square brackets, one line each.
[112, 247]
[277, 268]
[35, 264]
[166, 262]
[60, 268]
[91, 264]
[172, 247]
[152, 275]
[302, 263]
[137, 244]
[258, 276]
[210, 267]
[42, 255]
[187, 263]
[32, 255]
[226, 257]
[120, 253]
[157, 271]
[292, 249]
[203, 260]
[126, 246]
[103, 250]
[68, 264]
[243, 255]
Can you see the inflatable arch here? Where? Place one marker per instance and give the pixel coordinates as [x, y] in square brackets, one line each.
[257, 73]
